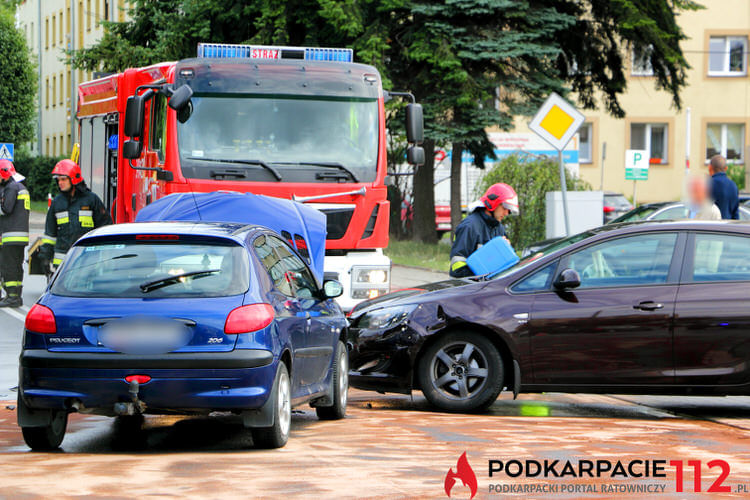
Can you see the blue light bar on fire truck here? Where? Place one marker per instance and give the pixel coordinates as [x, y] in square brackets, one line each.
[232, 51]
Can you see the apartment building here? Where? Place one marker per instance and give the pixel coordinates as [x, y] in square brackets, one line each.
[52, 27]
[717, 96]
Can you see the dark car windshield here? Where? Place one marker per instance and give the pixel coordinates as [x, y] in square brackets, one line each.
[286, 133]
[126, 269]
[544, 251]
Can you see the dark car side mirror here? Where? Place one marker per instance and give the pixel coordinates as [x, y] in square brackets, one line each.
[332, 289]
[568, 278]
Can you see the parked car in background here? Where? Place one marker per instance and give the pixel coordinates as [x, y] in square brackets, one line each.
[615, 205]
[665, 210]
[643, 308]
[187, 318]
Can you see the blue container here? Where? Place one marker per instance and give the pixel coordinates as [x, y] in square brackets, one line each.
[493, 257]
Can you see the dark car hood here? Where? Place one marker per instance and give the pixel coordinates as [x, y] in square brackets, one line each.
[426, 292]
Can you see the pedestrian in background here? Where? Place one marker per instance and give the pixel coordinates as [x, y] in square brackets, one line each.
[723, 189]
[481, 225]
[701, 207]
[15, 205]
[73, 213]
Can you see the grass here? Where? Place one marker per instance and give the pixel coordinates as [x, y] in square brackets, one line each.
[39, 206]
[417, 254]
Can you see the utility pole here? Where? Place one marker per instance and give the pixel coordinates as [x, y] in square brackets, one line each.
[39, 63]
[73, 84]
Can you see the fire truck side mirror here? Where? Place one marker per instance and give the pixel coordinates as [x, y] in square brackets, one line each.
[131, 149]
[135, 112]
[414, 123]
[180, 98]
[415, 155]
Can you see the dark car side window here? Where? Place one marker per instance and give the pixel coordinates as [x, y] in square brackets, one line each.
[537, 281]
[632, 260]
[289, 274]
[721, 257]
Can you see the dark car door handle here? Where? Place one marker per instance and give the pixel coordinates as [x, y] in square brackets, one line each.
[648, 306]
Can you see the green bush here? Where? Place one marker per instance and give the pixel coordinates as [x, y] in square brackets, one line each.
[737, 174]
[38, 172]
[532, 177]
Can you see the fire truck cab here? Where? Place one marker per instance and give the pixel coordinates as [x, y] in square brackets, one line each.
[299, 123]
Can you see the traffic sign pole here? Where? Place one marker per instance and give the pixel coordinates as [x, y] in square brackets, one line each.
[564, 190]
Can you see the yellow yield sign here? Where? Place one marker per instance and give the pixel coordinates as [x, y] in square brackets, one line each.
[557, 121]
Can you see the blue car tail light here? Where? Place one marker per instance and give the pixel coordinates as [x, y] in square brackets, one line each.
[41, 319]
[249, 318]
[234, 51]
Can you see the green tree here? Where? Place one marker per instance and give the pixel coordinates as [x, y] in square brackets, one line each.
[532, 177]
[18, 88]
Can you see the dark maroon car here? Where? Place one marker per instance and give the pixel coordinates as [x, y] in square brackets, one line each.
[646, 308]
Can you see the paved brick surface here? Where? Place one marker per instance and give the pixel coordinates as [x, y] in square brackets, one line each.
[388, 447]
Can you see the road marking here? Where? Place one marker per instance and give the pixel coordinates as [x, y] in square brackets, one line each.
[20, 317]
[25, 308]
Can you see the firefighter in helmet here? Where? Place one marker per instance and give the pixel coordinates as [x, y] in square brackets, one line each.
[481, 225]
[15, 204]
[73, 213]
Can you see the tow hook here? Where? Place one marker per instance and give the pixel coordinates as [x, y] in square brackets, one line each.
[135, 406]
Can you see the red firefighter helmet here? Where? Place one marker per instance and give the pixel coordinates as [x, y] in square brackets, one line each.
[70, 169]
[6, 169]
[500, 194]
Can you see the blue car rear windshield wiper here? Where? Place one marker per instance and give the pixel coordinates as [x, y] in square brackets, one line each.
[324, 164]
[260, 163]
[172, 279]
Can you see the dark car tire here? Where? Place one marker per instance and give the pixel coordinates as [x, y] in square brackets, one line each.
[448, 387]
[48, 437]
[277, 435]
[340, 382]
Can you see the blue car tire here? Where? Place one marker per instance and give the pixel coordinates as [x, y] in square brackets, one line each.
[277, 435]
[340, 387]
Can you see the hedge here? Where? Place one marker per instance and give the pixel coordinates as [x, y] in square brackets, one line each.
[38, 172]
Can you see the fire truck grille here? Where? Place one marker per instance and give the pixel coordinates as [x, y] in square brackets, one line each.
[337, 221]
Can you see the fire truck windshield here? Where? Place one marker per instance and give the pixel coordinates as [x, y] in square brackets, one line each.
[302, 139]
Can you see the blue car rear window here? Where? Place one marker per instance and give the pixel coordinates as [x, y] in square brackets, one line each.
[153, 270]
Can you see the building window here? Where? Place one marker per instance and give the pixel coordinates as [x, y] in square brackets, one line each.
[62, 145]
[31, 37]
[67, 21]
[96, 17]
[585, 142]
[61, 27]
[640, 59]
[727, 56]
[54, 30]
[62, 93]
[106, 10]
[54, 146]
[651, 137]
[54, 91]
[46, 93]
[88, 15]
[67, 83]
[47, 148]
[46, 33]
[726, 139]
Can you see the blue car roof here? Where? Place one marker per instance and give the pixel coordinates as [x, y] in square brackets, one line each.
[225, 230]
[246, 208]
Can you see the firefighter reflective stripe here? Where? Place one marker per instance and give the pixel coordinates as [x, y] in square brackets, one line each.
[59, 256]
[24, 195]
[16, 237]
[86, 218]
[9, 284]
[62, 217]
[457, 262]
[49, 240]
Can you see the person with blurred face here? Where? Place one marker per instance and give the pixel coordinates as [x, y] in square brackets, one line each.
[700, 206]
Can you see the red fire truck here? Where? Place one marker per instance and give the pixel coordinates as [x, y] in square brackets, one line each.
[301, 123]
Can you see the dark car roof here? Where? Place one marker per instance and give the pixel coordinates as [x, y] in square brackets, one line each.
[229, 230]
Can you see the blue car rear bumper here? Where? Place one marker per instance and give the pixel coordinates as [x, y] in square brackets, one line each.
[237, 380]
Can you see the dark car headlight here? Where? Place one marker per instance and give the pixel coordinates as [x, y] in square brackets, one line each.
[386, 317]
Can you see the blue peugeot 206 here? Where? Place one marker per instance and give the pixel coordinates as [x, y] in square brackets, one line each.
[190, 318]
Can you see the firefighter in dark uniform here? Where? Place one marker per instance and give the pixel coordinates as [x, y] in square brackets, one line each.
[73, 213]
[481, 225]
[15, 204]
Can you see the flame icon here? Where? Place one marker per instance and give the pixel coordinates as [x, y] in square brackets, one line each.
[465, 473]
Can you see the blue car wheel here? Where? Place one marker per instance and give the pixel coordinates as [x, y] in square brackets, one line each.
[277, 435]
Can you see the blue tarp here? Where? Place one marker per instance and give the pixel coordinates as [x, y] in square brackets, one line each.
[246, 208]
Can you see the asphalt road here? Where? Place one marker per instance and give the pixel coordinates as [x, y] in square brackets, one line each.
[389, 445]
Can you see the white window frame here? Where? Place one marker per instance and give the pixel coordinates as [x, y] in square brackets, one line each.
[647, 141]
[590, 159]
[636, 70]
[723, 151]
[726, 53]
